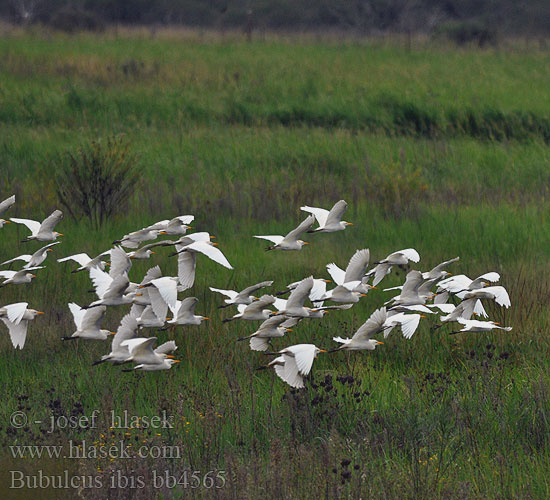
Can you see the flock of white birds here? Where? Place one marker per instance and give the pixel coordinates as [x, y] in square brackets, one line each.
[422, 293]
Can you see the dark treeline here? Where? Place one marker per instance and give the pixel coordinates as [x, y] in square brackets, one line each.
[481, 21]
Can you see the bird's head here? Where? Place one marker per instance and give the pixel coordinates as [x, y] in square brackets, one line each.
[56, 234]
[302, 243]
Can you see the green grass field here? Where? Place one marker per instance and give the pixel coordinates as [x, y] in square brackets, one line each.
[442, 150]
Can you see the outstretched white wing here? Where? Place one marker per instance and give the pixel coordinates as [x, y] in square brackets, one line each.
[16, 311]
[273, 238]
[126, 330]
[501, 295]
[337, 274]
[7, 203]
[93, 317]
[373, 325]
[304, 354]
[408, 322]
[166, 348]
[301, 229]
[357, 266]
[320, 214]
[81, 258]
[18, 332]
[336, 213]
[210, 251]
[78, 314]
[187, 262]
[140, 346]
[50, 222]
[101, 280]
[33, 225]
[228, 293]
[300, 293]
[252, 288]
[411, 254]
[24, 257]
[120, 262]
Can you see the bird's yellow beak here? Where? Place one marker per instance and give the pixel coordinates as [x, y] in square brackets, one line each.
[7, 222]
[363, 295]
[378, 342]
[49, 250]
[170, 356]
[139, 294]
[322, 350]
[496, 322]
[189, 227]
[306, 242]
[423, 316]
[168, 319]
[141, 286]
[349, 223]
[212, 237]
[153, 252]
[204, 317]
[112, 333]
[162, 232]
[327, 281]
[289, 330]
[33, 275]
[131, 256]
[373, 288]
[60, 234]
[215, 244]
[40, 312]
[177, 361]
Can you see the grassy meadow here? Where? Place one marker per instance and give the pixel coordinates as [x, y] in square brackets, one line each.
[439, 149]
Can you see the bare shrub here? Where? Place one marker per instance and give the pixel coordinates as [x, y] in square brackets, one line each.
[97, 180]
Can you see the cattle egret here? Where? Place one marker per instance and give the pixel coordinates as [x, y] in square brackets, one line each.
[362, 340]
[400, 258]
[88, 323]
[298, 360]
[18, 277]
[17, 318]
[36, 258]
[290, 241]
[42, 231]
[119, 353]
[243, 297]
[329, 221]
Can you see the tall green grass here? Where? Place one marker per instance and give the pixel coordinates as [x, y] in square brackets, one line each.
[241, 136]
